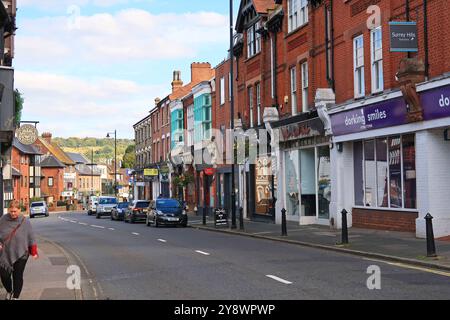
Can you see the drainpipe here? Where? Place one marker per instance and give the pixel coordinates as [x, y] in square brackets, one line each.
[332, 45]
[425, 38]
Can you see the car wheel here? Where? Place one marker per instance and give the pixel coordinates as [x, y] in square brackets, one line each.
[97, 216]
[89, 212]
[31, 217]
[131, 220]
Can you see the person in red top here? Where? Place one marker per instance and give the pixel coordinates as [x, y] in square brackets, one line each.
[17, 243]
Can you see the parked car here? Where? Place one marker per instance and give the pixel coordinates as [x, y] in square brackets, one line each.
[105, 206]
[118, 212]
[38, 208]
[92, 206]
[166, 212]
[137, 211]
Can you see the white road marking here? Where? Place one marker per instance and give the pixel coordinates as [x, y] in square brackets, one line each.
[73, 221]
[407, 266]
[278, 279]
[135, 233]
[82, 223]
[94, 226]
[112, 229]
[202, 252]
[162, 240]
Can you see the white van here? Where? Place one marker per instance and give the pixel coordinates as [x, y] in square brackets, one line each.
[92, 206]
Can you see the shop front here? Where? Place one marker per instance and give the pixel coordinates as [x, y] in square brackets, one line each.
[305, 190]
[391, 169]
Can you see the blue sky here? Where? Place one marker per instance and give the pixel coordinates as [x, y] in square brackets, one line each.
[86, 67]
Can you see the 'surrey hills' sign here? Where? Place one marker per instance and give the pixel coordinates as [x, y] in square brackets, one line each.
[403, 36]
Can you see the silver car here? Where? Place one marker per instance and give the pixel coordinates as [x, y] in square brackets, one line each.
[105, 206]
[38, 208]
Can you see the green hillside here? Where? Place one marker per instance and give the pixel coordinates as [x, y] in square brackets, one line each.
[103, 148]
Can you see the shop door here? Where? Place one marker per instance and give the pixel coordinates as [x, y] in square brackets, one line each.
[308, 208]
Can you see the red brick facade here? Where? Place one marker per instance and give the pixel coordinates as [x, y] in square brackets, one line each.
[384, 220]
[55, 190]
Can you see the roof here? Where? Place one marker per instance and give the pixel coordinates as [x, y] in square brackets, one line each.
[77, 157]
[16, 172]
[50, 161]
[27, 149]
[56, 150]
[260, 6]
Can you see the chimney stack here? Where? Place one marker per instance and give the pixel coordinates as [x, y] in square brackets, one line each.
[201, 71]
[157, 101]
[176, 83]
[47, 136]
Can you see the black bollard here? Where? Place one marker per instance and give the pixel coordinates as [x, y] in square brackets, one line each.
[283, 223]
[241, 218]
[431, 247]
[204, 215]
[344, 227]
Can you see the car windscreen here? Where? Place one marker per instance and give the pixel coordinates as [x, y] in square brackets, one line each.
[108, 201]
[168, 204]
[142, 204]
[123, 205]
[37, 204]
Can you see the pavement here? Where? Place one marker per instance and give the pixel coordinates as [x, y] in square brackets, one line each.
[393, 246]
[46, 277]
[134, 262]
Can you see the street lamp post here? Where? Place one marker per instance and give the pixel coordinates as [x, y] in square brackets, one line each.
[233, 187]
[115, 159]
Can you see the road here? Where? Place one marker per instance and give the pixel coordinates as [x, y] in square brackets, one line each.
[133, 261]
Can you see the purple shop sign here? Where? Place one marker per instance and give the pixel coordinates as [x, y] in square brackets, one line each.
[436, 103]
[375, 116]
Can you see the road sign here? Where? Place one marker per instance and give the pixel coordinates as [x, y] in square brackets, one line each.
[403, 36]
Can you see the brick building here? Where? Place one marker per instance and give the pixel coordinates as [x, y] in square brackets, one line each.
[26, 166]
[52, 183]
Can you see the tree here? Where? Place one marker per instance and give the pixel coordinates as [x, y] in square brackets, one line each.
[129, 158]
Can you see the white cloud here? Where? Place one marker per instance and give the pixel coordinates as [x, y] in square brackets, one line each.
[71, 106]
[129, 34]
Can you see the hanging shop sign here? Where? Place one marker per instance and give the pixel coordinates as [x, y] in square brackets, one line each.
[209, 171]
[403, 36]
[150, 172]
[27, 134]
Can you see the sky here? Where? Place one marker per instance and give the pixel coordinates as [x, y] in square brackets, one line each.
[88, 67]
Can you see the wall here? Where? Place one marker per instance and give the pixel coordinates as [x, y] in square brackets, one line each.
[58, 182]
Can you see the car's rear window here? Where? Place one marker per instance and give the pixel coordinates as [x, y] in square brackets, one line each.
[37, 204]
[167, 204]
[108, 201]
[123, 205]
[142, 204]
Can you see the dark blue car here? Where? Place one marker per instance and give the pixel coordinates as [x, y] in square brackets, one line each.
[166, 212]
[118, 212]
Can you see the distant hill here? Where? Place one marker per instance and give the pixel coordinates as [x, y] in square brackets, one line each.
[103, 148]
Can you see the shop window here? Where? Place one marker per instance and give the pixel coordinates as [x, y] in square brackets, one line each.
[292, 174]
[385, 172]
[324, 181]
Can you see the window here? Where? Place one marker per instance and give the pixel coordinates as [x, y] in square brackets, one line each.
[250, 104]
[190, 125]
[385, 172]
[222, 91]
[298, 14]
[258, 103]
[376, 50]
[293, 74]
[305, 85]
[358, 66]
[253, 40]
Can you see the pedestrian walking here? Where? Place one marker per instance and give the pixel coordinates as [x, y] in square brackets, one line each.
[17, 243]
